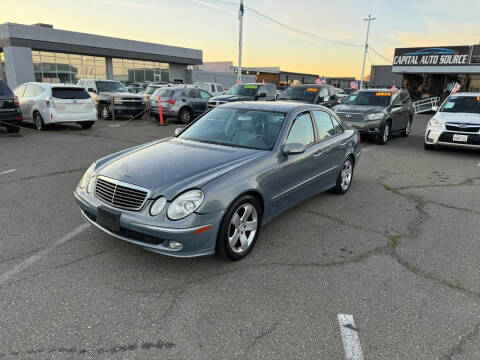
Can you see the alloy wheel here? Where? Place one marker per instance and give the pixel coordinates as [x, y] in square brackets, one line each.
[346, 175]
[408, 127]
[38, 122]
[242, 228]
[386, 133]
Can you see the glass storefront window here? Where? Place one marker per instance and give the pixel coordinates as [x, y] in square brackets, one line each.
[66, 68]
[129, 71]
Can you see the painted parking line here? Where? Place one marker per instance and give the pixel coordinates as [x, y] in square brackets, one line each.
[25, 264]
[7, 171]
[351, 342]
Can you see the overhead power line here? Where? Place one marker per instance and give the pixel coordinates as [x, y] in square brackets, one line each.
[380, 55]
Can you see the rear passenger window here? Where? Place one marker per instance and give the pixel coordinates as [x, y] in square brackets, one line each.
[301, 131]
[30, 90]
[69, 93]
[212, 88]
[38, 90]
[324, 125]
[220, 89]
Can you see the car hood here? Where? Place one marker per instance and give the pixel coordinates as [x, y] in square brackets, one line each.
[230, 98]
[172, 166]
[468, 118]
[121, 94]
[362, 109]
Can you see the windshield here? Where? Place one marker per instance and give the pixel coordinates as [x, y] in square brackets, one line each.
[110, 86]
[254, 129]
[369, 98]
[244, 90]
[462, 104]
[150, 89]
[299, 93]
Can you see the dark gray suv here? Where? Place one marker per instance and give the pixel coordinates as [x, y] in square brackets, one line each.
[246, 92]
[378, 112]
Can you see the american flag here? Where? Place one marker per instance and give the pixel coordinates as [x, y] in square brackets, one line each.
[321, 80]
[394, 89]
[354, 85]
[455, 88]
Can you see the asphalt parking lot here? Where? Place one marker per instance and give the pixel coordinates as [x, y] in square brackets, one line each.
[399, 252]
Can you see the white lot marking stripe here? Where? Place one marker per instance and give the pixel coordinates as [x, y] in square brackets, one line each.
[351, 343]
[41, 254]
[7, 171]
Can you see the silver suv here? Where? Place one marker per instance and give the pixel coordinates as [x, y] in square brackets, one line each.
[184, 103]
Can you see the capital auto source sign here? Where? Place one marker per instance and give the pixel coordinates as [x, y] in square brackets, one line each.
[433, 56]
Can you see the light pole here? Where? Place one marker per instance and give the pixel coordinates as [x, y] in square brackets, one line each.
[366, 49]
[240, 30]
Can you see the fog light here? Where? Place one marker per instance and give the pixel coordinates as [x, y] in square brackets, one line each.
[174, 245]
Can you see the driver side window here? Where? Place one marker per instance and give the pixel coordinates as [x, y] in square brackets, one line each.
[301, 131]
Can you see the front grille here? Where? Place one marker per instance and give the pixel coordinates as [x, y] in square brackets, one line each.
[470, 128]
[120, 195]
[133, 102]
[351, 116]
[448, 137]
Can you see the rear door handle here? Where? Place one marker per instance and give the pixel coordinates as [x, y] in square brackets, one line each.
[318, 153]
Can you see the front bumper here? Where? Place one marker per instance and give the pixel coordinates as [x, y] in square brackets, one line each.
[156, 233]
[435, 136]
[128, 110]
[372, 127]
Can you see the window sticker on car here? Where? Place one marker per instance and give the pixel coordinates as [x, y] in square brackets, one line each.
[383, 94]
[449, 105]
[250, 86]
[312, 90]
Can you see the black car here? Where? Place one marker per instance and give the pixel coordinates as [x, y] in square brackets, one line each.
[108, 93]
[378, 112]
[10, 114]
[311, 94]
[246, 92]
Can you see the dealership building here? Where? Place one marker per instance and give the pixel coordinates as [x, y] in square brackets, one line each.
[41, 53]
[431, 71]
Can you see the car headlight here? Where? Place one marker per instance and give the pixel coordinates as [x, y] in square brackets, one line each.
[117, 100]
[158, 206]
[436, 123]
[86, 177]
[375, 116]
[185, 204]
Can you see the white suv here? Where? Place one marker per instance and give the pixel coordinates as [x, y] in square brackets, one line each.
[45, 103]
[213, 88]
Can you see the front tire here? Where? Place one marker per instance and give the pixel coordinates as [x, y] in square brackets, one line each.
[345, 177]
[382, 138]
[240, 228]
[185, 116]
[87, 124]
[105, 112]
[38, 122]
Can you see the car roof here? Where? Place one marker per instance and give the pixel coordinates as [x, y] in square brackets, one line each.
[52, 85]
[466, 94]
[257, 84]
[282, 106]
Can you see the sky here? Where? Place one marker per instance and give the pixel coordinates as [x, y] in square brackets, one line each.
[284, 39]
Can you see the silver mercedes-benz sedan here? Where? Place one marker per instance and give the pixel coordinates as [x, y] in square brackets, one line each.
[213, 185]
[456, 123]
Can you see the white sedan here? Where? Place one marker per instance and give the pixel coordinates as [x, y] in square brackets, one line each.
[456, 123]
[45, 103]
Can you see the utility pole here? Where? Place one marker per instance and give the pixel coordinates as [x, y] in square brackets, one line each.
[366, 49]
[240, 30]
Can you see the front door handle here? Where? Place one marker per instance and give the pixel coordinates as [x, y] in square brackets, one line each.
[318, 153]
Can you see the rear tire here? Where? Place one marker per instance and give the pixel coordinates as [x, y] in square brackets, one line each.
[87, 124]
[11, 129]
[382, 138]
[185, 116]
[345, 177]
[408, 128]
[429, 146]
[239, 228]
[38, 122]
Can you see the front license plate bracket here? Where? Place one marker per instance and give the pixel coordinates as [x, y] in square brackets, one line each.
[109, 219]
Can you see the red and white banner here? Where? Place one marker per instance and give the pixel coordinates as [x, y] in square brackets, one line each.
[394, 89]
[455, 88]
[321, 80]
[354, 85]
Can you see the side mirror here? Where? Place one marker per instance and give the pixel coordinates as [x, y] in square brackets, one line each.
[262, 94]
[178, 131]
[293, 149]
[435, 108]
[92, 90]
